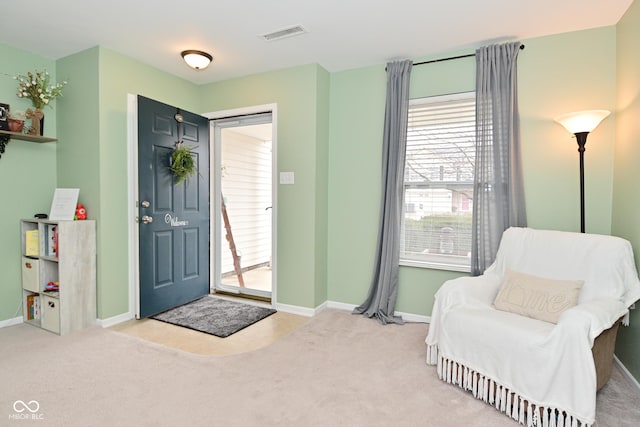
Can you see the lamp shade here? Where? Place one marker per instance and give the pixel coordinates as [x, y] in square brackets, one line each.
[582, 121]
[197, 59]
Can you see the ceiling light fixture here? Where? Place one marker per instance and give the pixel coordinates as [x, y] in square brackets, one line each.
[196, 59]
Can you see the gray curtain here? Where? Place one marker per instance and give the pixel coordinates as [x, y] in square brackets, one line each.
[381, 300]
[498, 194]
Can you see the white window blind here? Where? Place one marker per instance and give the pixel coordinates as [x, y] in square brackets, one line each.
[438, 182]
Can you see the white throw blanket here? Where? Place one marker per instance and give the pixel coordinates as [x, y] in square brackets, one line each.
[537, 372]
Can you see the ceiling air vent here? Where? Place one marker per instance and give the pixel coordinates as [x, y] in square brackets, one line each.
[296, 30]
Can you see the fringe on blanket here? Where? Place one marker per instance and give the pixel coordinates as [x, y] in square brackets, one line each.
[495, 394]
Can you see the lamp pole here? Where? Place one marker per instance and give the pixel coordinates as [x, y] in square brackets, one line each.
[581, 137]
[580, 124]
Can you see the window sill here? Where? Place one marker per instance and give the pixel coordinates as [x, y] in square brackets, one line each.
[435, 265]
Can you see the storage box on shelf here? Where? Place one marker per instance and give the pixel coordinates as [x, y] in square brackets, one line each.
[59, 253]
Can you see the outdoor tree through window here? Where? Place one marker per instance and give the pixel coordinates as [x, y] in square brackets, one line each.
[438, 182]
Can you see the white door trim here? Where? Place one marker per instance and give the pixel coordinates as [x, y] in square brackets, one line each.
[256, 109]
[132, 197]
[132, 200]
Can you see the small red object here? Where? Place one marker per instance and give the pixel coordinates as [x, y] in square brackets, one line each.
[81, 212]
[55, 240]
[52, 286]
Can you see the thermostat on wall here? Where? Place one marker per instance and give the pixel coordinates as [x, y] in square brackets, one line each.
[286, 177]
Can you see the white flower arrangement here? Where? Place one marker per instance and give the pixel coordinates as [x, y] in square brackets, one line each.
[37, 87]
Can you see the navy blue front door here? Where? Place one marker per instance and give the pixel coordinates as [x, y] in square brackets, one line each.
[173, 218]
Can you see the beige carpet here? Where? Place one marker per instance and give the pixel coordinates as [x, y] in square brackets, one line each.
[335, 370]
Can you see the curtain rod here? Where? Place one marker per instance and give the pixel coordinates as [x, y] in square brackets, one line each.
[451, 57]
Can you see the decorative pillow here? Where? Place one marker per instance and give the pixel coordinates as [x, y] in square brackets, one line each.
[537, 297]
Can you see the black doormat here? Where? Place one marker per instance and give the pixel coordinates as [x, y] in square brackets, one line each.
[214, 316]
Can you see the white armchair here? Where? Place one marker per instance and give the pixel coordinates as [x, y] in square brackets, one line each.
[537, 372]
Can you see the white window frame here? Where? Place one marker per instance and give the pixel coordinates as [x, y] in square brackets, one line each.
[434, 261]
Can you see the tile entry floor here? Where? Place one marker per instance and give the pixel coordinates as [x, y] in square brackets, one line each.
[256, 336]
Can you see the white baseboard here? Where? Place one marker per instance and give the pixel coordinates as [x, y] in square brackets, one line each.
[414, 318]
[407, 317]
[321, 307]
[340, 305]
[626, 372]
[294, 309]
[110, 321]
[11, 322]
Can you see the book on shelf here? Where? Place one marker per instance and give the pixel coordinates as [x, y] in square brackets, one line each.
[52, 240]
[33, 307]
[30, 307]
[36, 307]
[31, 243]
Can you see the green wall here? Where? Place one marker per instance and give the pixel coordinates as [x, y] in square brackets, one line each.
[627, 174]
[556, 74]
[355, 158]
[559, 74]
[27, 173]
[329, 133]
[78, 152]
[94, 154]
[322, 187]
[356, 122]
[119, 76]
[301, 95]
[329, 128]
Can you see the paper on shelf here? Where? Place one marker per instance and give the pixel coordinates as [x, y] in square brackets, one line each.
[63, 206]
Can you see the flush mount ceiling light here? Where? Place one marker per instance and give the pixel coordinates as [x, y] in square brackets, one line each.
[196, 59]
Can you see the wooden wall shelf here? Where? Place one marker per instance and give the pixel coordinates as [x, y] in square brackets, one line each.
[25, 137]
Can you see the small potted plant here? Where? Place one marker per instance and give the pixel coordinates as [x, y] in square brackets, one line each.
[38, 88]
[16, 121]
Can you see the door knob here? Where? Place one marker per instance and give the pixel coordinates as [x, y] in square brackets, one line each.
[145, 204]
[146, 219]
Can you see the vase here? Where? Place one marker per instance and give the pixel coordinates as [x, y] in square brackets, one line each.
[37, 121]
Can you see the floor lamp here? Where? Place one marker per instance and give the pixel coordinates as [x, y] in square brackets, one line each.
[580, 124]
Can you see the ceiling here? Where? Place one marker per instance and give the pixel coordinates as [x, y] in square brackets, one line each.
[342, 34]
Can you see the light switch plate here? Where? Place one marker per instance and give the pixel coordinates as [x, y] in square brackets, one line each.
[286, 177]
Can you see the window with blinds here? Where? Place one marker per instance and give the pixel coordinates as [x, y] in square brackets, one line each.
[438, 182]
